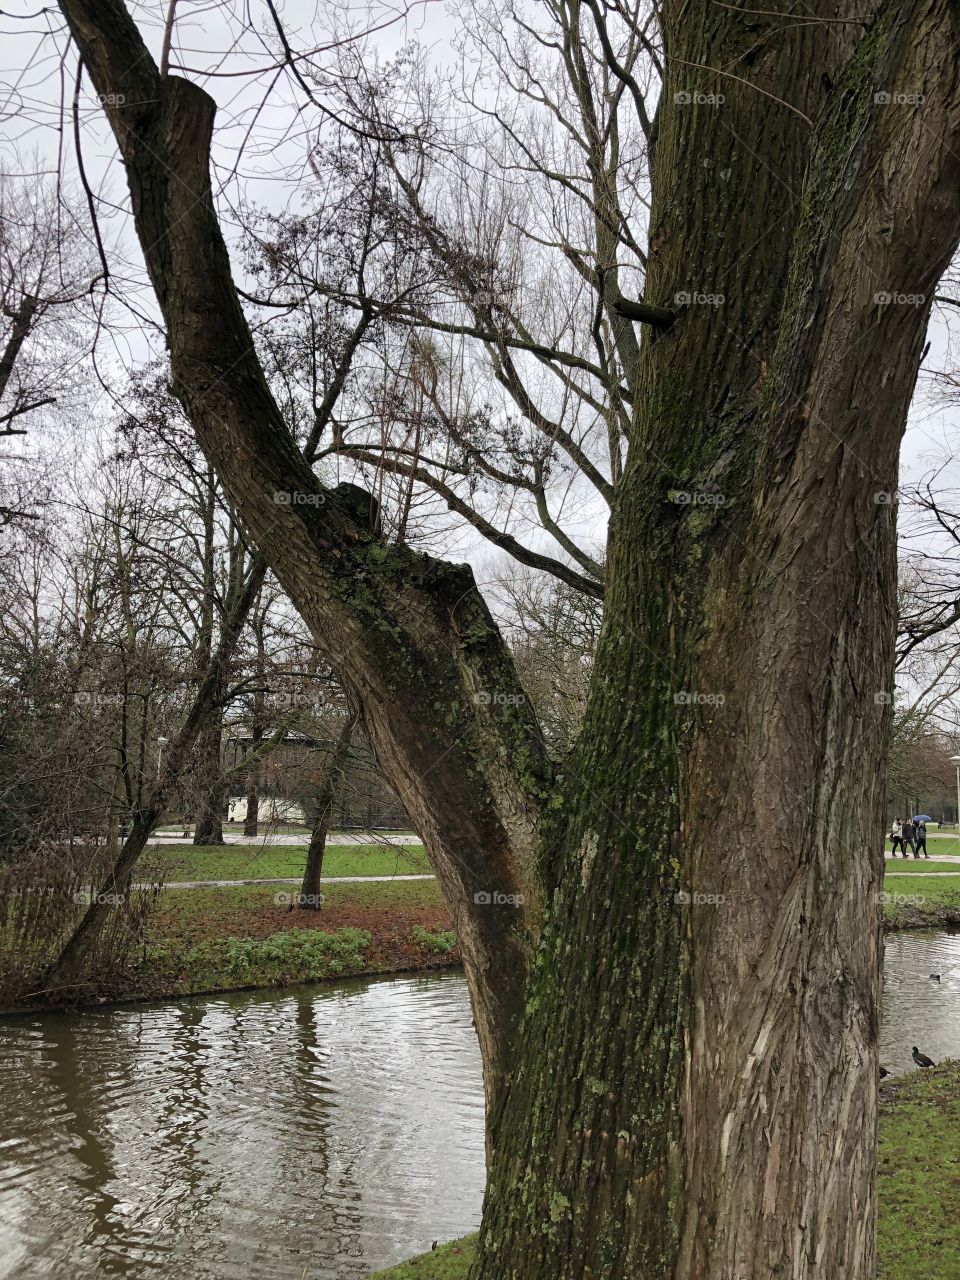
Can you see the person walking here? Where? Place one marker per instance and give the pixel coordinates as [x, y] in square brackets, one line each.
[908, 832]
[922, 840]
[896, 836]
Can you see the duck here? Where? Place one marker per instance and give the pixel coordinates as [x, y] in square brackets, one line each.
[921, 1059]
[935, 977]
[883, 1072]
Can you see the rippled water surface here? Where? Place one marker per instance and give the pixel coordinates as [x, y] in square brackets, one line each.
[324, 1131]
[320, 1133]
[917, 1010]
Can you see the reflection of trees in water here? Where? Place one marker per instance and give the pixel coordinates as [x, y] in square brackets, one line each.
[242, 1138]
[73, 1096]
[333, 1220]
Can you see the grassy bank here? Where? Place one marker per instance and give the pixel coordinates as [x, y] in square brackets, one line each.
[921, 895]
[220, 939]
[918, 1187]
[247, 936]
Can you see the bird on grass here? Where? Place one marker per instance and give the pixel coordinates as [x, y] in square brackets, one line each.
[883, 1072]
[921, 1059]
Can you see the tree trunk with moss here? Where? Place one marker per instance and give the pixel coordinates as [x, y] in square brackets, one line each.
[693, 1091]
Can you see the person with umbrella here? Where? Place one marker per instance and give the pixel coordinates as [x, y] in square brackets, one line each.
[920, 826]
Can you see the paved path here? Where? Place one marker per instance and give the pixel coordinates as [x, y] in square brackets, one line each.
[934, 857]
[334, 838]
[226, 884]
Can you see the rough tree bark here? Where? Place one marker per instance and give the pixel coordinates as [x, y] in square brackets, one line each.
[409, 636]
[707, 996]
[693, 1094]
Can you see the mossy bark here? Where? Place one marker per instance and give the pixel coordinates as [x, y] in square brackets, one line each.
[695, 1088]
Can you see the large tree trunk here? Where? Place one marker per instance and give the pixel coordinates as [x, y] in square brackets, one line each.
[695, 1093]
[409, 636]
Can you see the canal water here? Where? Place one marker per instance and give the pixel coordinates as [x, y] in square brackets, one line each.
[317, 1133]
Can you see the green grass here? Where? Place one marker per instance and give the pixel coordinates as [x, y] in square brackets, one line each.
[295, 955]
[448, 1262]
[907, 867]
[918, 1177]
[202, 913]
[918, 1188]
[241, 936]
[438, 943]
[907, 895]
[265, 862]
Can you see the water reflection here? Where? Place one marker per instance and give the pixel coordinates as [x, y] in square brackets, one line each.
[322, 1131]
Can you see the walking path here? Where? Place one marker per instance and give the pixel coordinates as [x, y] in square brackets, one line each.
[334, 838]
[934, 857]
[226, 884]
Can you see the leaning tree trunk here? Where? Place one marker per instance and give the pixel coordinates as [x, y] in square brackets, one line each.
[695, 1089]
[330, 775]
[409, 636]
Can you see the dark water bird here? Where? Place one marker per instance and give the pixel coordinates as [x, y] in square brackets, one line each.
[921, 1059]
[883, 1072]
[935, 977]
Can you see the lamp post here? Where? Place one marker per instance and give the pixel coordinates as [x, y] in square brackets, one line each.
[162, 742]
[955, 760]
